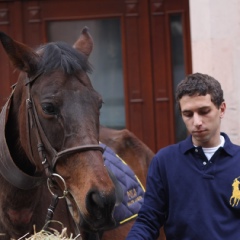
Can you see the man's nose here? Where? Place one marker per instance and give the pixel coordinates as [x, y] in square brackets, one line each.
[197, 119]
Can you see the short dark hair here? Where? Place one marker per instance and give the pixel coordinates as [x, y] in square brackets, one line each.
[200, 84]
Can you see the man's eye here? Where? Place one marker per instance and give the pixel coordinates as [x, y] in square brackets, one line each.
[187, 114]
[204, 112]
[49, 109]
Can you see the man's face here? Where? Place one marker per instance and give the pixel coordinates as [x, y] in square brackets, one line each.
[202, 119]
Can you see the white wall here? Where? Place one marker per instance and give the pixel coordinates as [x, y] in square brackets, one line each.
[215, 33]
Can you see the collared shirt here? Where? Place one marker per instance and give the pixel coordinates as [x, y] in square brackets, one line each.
[193, 198]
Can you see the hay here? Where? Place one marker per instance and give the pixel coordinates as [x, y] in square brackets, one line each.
[47, 235]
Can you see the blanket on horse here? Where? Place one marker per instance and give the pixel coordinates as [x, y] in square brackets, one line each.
[132, 188]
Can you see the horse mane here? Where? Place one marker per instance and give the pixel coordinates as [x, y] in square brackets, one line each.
[60, 55]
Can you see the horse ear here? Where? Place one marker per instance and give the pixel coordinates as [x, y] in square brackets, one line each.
[21, 56]
[85, 42]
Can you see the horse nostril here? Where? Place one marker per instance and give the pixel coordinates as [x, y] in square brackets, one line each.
[97, 199]
[100, 204]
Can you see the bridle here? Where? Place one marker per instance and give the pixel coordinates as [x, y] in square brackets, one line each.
[43, 145]
[48, 155]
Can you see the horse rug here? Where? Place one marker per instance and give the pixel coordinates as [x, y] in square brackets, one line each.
[133, 190]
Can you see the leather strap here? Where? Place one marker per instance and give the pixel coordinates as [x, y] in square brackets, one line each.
[8, 168]
[48, 155]
[72, 150]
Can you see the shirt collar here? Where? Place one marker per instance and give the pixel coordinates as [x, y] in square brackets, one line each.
[230, 148]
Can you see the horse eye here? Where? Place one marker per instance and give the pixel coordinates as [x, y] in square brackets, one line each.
[49, 108]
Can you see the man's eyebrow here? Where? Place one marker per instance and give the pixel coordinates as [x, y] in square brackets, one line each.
[201, 108]
[204, 107]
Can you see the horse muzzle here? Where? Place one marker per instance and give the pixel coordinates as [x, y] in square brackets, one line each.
[100, 206]
[98, 214]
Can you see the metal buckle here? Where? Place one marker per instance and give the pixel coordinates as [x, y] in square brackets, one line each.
[49, 181]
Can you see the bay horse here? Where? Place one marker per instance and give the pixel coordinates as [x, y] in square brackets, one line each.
[49, 140]
[49, 145]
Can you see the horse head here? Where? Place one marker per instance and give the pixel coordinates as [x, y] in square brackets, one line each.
[54, 118]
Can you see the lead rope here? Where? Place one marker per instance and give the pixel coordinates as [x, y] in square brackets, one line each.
[50, 211]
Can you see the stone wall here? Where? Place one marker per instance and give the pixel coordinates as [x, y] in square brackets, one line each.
[215, 34]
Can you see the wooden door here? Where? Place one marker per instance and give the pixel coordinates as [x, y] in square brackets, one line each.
[149, 48]
[171, 61]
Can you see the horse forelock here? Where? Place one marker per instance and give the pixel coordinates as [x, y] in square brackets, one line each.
[61, 56]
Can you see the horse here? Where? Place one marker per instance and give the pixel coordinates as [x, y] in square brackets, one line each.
[49, 145]
[50, 142]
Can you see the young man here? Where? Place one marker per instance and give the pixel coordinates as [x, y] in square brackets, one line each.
[193, 187]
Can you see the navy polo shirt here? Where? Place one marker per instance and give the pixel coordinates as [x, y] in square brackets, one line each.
[193, 198]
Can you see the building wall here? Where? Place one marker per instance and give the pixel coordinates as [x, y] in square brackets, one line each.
[215, 37]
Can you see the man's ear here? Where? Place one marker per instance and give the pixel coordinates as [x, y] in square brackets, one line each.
[222, 109]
